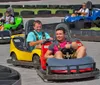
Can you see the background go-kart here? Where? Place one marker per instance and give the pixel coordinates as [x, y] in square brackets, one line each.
[29, 75]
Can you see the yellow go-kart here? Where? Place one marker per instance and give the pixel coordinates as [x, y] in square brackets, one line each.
[19, 49]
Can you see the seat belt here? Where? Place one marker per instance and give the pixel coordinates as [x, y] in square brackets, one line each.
[43, 35]
[37, 38]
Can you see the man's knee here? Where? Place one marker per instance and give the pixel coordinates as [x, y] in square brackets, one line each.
[82, 48]
[58, 55]
[74, 45]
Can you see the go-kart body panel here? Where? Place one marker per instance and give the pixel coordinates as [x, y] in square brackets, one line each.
[10, 29]
[45, 76]
[23, 55]
[5, 36]
[73, 19]
[18, 21]
[81, 65]
[65, 69]
[73, 69]
[20, 53]
[81, 27]
[95, 14]
[18, 35]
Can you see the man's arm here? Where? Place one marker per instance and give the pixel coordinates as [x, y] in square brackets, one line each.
[49, 52]
[12, 20]
[85, 12]
[33, 43]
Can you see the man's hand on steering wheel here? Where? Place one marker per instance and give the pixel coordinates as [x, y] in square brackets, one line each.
[68, 48]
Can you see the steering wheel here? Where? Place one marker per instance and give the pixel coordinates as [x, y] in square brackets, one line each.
[46, 41]
[67, 52]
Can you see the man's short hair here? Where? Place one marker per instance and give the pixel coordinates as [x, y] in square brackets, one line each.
[61, 28]
[37, 21]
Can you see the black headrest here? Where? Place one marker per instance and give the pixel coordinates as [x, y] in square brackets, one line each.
[29, 26]
[89, 5]
[65, 26]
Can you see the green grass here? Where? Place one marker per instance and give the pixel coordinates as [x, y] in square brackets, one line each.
[36, 10]
[93, 28]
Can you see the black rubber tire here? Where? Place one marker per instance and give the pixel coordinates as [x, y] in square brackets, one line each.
[62, 12]
[43, 12]
[97, 22]
[7, 73]
[16, 13]
[17, 6]
[27, 14]
[36, 61]
[41, 6]
[29, 6]
[1, 14]
[18, 30]
[13, 58]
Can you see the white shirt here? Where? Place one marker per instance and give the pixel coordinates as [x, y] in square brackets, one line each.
[85, 10]
[8, 19]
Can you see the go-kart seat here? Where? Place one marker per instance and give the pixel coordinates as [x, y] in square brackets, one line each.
[18, 42]
[87, 23]
[17, 20]
[28, 28]
[68, 36]
[90, 7]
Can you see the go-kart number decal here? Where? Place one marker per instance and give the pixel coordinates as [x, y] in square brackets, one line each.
[46, 46]
[6, 37]
[79, 44]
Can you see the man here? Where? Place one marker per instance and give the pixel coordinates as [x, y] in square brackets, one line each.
[6, 19]
[36, 37]
[61, 42]
[84, 11]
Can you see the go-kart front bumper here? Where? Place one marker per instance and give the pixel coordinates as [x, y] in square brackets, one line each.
[5, 40]
[5, 37]
[23, 63]
[45, 76]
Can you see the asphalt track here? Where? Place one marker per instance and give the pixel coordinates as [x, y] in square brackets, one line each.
[29, 75]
